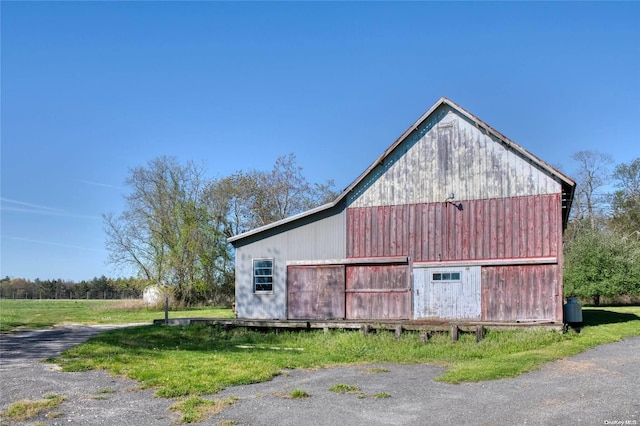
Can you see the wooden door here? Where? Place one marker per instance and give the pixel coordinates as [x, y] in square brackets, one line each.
[378, 292]
[316, 292]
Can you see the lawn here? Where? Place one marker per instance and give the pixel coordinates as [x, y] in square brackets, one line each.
[33, 314]
[200, 360]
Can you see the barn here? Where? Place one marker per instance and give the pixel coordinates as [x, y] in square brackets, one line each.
[454, 221]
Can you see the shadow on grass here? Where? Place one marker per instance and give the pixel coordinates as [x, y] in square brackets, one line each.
[593, 317]
[183, 337]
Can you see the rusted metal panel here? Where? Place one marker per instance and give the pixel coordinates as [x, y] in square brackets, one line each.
[448, 154]
[378, 292]
[316, 292]
[521, 293]
[505, 228]
[447, 298]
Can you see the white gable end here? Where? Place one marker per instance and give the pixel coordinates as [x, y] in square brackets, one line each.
[448, 154]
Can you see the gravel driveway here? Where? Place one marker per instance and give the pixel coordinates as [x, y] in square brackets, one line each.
[598, 387]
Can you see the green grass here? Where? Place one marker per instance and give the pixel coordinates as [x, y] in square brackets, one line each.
[381, 395]
[196, 409]
[343, 388]
[355, 390]
[602, 325]
[199, 360]
[299, 394]
[34, 314]
[25, 410]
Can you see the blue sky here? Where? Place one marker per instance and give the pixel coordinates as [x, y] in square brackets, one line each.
[93, 89]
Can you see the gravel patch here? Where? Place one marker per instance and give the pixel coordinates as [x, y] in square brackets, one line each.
[598, 387]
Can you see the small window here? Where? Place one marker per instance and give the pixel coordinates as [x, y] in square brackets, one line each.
[263, 275]
[446, 276]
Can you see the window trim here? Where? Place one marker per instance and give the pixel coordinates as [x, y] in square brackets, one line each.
[446, 280]
[254, 276]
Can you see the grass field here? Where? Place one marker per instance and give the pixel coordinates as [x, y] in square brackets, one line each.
[33, 314]
[200, 360]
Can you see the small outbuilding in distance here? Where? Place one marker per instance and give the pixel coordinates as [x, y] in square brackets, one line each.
[454, 221]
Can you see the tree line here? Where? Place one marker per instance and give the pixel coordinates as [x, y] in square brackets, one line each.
[96, 288]
[602, 239]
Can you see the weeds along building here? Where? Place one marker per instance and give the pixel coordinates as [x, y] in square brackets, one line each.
[453, 221]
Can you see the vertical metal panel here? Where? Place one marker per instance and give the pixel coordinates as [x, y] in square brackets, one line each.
[378, 292]
[447, 299]
[320, 239]
[316, 292]
[449, 154]
[484, 229]
[523, 292]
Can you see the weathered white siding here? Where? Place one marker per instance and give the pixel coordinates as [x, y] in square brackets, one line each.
[448, 154]
[322, 239]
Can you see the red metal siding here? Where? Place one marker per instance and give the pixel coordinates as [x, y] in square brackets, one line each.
[378, 292]
[502, 228]
[523, 292]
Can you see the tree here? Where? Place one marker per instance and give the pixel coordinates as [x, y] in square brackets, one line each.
[625, 204]
[602, 263]
[593, 174]
[20, 288]
[164, 230]
[247, 200]
[257, 198]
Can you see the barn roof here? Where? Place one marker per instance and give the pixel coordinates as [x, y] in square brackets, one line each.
[568, 185]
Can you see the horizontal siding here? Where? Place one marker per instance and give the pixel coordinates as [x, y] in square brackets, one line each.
[524, 292]
[445, 155]
[519, 227]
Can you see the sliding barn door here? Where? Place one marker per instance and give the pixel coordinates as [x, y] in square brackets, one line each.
[378, 292]
[315, 292]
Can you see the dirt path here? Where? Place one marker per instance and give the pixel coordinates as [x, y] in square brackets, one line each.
[598, 387]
